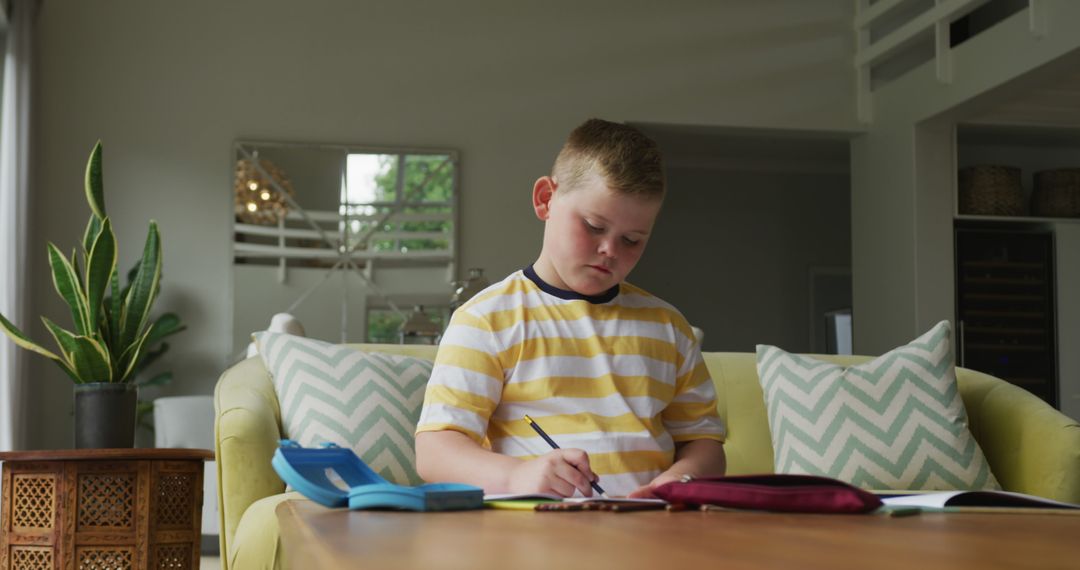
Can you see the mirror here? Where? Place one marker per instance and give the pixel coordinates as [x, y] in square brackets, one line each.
[347, 239]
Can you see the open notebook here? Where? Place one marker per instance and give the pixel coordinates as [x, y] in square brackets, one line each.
[977, 499]
[547, 502]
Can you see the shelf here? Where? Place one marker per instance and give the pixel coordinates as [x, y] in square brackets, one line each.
[1002, 281]
[1003, 331]
[1001, 265]
[1004, 314]
[1006, 297]
[1017, 219]
[1004, 348]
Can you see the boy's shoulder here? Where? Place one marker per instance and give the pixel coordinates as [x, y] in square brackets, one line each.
[496, 293]
[633, 297]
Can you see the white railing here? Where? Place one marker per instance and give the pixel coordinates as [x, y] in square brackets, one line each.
[870, 53]
[334, 236]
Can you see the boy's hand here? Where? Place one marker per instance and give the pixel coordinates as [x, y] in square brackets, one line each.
[560, 471]
[646, 491]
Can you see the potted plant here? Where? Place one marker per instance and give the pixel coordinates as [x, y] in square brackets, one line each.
[111, 332]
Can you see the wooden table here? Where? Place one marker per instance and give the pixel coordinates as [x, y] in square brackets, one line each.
[102, 509]
[316, 537]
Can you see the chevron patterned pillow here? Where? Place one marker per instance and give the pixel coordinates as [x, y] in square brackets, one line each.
[366, 401]
[896, 422]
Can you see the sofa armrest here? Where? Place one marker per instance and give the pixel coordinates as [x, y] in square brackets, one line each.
[247, 428]
[1031, 447]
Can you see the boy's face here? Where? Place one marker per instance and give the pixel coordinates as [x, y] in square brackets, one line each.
[593, 236]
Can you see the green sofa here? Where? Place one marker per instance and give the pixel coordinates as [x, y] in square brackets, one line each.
[1031, 447]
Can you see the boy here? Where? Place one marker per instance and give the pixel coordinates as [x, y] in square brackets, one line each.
[612, 373]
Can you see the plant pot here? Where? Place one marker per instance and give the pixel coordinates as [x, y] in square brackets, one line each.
[105, 415]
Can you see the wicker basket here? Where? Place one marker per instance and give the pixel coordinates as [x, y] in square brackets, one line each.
[991, 190]
[1057, 193]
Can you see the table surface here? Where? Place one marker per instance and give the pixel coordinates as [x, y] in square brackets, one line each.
[316, 537]
[125, 454]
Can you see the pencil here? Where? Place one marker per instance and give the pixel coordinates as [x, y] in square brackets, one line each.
[532, 423]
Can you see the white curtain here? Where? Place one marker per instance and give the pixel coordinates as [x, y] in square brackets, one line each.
[14, 215]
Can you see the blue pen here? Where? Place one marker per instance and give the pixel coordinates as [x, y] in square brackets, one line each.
[532, 423]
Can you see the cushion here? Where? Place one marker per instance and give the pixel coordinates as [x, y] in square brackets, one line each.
[366, 401]
[896, 422]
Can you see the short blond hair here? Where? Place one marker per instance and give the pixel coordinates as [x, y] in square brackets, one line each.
[630, 162]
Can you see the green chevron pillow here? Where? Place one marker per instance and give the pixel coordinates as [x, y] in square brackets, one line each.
[366, 401]
[896, 422]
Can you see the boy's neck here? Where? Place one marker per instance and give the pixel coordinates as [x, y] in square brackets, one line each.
[568, 294]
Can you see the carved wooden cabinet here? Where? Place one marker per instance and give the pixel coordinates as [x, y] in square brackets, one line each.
[101, 509]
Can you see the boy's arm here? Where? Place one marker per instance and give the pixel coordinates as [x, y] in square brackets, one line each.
[697, 458]
[443, 456]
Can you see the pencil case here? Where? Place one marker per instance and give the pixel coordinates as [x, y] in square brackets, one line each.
[308, 470]
[772, 492]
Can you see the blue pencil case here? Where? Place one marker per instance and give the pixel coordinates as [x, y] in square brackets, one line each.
[307, 471]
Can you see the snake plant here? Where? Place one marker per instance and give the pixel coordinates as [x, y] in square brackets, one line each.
[112, 331]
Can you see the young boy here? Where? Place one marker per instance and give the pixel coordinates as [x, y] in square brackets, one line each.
[610, 372]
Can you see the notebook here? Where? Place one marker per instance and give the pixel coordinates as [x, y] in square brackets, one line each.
[549, 502]
[989, 500]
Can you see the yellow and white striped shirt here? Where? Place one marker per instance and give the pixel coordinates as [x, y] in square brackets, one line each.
[617, 375]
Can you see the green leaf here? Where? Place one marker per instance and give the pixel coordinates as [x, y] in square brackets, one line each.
[159, 379]
[100, 266]
[75, 267]
[143, 413]
[130, 357]
[22, 340]
[93, 227]
[151, 356]
[166, 325]
[87, 357]
[143, 290]
[116, 309]
[95, 190]
[67, 285]
[92, 360]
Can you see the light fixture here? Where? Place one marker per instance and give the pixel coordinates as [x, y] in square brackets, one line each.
[418, 328]
[258, 198]
[464, 290]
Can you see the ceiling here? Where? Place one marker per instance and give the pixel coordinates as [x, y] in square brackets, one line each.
[1049, 104]
[751, 150]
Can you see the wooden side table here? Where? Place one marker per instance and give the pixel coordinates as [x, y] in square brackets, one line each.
[102, 509]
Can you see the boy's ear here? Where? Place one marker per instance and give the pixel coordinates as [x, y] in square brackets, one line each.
[543, 191]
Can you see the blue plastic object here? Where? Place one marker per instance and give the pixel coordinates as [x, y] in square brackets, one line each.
[306, 470]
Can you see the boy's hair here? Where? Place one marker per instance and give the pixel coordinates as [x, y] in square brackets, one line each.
[629, 161]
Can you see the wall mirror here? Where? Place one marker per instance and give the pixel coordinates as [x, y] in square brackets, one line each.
[348, 239]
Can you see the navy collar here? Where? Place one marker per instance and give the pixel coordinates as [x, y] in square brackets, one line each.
[568, 295]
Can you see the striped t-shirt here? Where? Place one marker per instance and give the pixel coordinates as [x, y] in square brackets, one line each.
[617, 375]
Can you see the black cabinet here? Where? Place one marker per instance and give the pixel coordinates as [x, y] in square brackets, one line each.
[1005, 305]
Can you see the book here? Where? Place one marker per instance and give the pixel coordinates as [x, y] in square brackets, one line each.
[981, 500]
[549, 502]
[535, 497]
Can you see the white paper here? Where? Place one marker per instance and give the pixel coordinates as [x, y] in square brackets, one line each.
[984, 498]
[549, 496]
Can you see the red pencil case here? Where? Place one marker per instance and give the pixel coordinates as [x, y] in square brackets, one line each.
[784, 493]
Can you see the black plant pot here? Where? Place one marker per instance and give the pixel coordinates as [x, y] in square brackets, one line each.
[105, 415]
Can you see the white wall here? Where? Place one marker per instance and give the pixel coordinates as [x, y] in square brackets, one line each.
[747, 215]
[733, 252]
[170, 86]
[902, 182]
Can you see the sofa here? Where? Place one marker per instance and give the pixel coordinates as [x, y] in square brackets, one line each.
[1031, 447]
